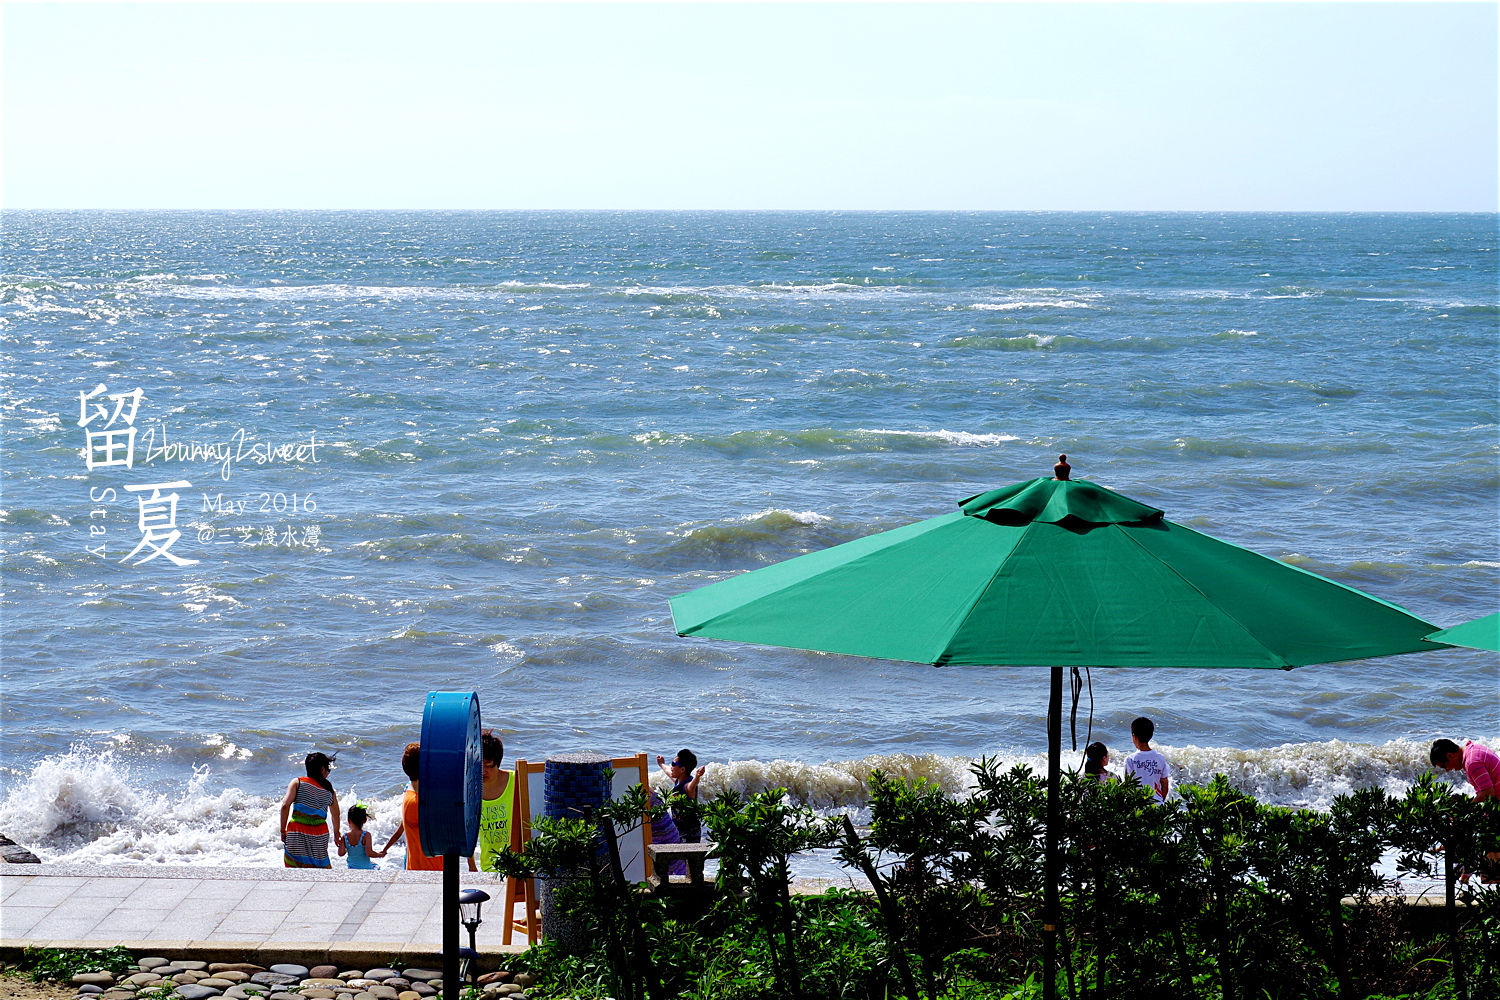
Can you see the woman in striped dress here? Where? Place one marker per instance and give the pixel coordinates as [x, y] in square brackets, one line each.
[305, 811]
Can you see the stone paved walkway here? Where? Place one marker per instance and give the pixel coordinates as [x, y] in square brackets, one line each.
[253, 914]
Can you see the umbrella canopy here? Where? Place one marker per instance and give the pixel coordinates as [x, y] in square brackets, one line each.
[1056, 573]
[1481, 633]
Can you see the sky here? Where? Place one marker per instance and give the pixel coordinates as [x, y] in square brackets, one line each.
[886, 106]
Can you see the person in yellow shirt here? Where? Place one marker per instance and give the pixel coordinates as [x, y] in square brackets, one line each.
[499, 800]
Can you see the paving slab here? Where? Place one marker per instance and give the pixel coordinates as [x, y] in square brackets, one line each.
[124, 922]
[18, 920]
[52, 927]
[35, 893]
[231, 914]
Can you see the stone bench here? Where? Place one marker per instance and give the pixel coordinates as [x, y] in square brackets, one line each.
[662, 855]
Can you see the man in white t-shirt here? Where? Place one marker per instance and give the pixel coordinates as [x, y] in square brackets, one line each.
[1148, 766]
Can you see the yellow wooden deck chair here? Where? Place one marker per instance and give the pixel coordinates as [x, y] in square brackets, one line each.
[522, 890]
[634, 859]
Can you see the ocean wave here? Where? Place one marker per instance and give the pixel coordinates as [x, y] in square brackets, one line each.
[1296, 775]
[197, 598]
[83, 804]
[447, 638]
[1255, 388]
[26, 516]
[459, 543]
[1064, 342]
[13, 284]
[340, 291]
[778, 516]
[963, 439]
[837, 784]
[659, 294]
[815, 440]
[1257, 449]
[1021, 342]
[840, 288]
[25, 304]
[1292, 292]
[1189, 296]
[762, 537]
[1032, 304]
[98, 806]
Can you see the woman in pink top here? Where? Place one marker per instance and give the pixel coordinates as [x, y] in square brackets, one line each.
[1479, 764]
[1482, 767]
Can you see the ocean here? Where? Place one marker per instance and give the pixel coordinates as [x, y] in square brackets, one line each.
[270, 477]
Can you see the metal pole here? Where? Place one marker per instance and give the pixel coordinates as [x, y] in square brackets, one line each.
[1051, 914]
[452, 988]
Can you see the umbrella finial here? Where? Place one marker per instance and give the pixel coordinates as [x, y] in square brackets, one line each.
[1062, 470]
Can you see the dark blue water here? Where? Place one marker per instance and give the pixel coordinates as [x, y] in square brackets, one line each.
[531, 429]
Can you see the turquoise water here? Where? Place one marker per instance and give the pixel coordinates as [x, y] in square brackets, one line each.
[531, 429]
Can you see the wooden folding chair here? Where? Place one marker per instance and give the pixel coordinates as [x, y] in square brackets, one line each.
[522, 890]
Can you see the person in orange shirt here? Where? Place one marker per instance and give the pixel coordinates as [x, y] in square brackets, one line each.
[411, 763]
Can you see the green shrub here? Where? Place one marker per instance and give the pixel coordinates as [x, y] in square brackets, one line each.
[756, 839]
[65, 963]
[1221, 898]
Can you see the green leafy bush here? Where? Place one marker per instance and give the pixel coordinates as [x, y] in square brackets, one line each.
[1221, 898]
[65, 963]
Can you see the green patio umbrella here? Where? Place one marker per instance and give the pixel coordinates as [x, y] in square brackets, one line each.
[1481, 633]
[1057, 573]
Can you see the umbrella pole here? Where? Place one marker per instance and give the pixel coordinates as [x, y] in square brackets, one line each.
[1051, 915]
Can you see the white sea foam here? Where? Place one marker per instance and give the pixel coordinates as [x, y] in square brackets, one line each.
[1032, 304]
[835, 785]
[198, 597]
[811, 290]
[964, 439]
[773, 514]
[508, 651]
[1303, 775]
[661, 438]
[341, 291]
[224, 748]
[83, 806]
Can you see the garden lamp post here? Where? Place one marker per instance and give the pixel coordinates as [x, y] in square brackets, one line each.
[470, 902]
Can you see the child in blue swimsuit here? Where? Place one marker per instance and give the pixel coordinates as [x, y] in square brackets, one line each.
[356, 843]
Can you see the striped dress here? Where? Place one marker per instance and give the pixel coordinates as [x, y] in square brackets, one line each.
[307, 830]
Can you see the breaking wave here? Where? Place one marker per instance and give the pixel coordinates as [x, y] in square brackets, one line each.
[96, 806]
